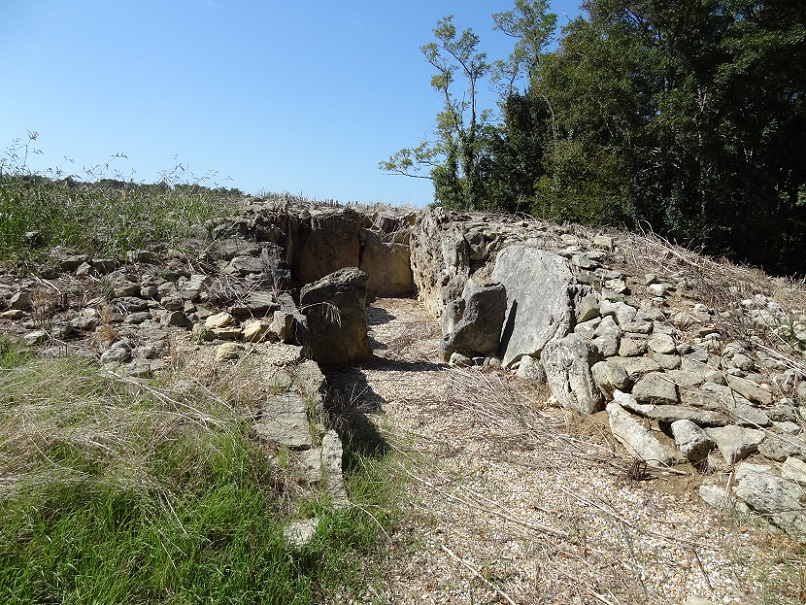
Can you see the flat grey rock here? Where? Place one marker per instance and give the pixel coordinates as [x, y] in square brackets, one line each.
[638, 440]
[284, 420]
[538, 304]
[735, 442]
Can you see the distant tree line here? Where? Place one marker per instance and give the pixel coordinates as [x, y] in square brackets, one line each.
[685, 117]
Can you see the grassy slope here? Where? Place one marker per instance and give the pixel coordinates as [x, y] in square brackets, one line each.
[111, 493]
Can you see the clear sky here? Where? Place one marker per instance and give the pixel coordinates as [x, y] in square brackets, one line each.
[281, 96]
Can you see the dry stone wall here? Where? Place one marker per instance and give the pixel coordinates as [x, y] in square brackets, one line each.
[693, 362]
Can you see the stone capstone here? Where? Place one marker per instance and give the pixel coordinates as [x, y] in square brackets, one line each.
[388, 265]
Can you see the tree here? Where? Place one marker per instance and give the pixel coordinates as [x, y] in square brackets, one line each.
[454, 161]
[698, 106]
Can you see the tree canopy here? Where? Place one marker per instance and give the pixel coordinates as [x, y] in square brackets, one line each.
[685, 117]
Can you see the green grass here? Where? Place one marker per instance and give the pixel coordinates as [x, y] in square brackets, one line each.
[114, 492]
[101, 217]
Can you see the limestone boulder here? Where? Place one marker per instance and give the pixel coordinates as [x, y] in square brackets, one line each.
[478, 332]
[334, 307]
[637, 439]
[567, 363]
[539, 307]
[691, 440]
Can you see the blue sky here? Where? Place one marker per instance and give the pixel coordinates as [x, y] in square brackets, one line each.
[302, 97]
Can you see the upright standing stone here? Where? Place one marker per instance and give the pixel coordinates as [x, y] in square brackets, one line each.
[539, 307]
[337, 323]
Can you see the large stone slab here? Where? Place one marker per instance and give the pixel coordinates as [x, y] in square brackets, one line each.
[478, 331]
[539, 308]
[330, 242]
[337, 323]
[388, 265]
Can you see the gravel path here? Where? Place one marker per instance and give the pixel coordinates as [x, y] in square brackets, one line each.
[509, 500]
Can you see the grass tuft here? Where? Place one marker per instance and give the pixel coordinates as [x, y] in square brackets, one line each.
[113, 491]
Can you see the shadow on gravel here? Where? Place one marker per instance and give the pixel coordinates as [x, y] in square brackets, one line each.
[377, 316]
[351, 400]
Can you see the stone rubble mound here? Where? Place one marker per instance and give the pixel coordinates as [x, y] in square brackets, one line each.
[691, 365]
[691, 361]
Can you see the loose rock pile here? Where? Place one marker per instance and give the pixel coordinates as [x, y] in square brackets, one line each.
[680, 381]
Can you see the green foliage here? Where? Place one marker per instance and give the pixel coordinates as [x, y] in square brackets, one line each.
[117, 493]
[702, 112]
[687, 117]
[105, 217]
[454, 160]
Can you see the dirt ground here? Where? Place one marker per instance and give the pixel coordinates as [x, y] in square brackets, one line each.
[509, 500]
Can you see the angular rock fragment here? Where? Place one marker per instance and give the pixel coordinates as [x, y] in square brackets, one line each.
[568, 363]
[638, 440]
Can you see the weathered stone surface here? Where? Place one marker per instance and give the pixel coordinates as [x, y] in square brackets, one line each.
[478, 332]
[722, 399]
[672, 413]
[539, 306]
[229, 248]
[568, 363]
[781, 447]
[609, 377]
[119, 352]
[256, 329]
[228, 351]
[337, 323]
[607, 337]
[656, 388]
[780, 500]
[300, 533]
[284, 420]
[632, 347]
[440, 259]
[622, 312]
[636, 367]
[749, 390]
[587, 308]
[20, 301]
[330, 243]
[692, 441]
[254, 304]
[794, 469]
[639, 441]
[735, 443]
[332, 453]
[530, 368]
[219, 320]
[388, 265]
[662, 343]
[667, 362]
